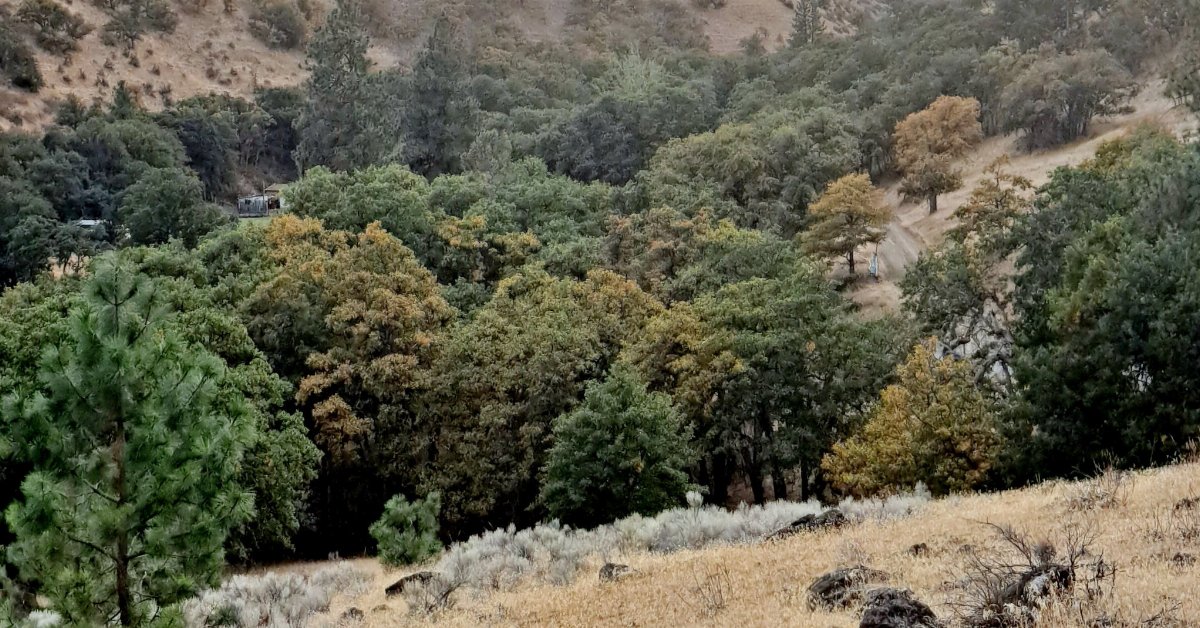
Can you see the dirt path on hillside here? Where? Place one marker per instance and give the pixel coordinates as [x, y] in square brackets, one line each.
[913, 229]
[897, 252]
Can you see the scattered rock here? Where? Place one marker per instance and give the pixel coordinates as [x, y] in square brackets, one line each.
[842, 587]
[382, 608]
[611, 572]
[421, 577]
[920, 549]
[1040, 582]
[1187, 503]
[896, 608]
[353, 614]
[1182, 559]
[832, 518]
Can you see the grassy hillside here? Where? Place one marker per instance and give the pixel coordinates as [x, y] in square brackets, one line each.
[1144, 527]
[215, 51]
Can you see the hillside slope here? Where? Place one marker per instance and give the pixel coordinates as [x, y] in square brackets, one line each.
[914, 230]
[214, 51]
[1145, 526]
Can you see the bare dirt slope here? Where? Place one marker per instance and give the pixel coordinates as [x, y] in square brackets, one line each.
[210, 51]
[1141, 526]
[914, 230]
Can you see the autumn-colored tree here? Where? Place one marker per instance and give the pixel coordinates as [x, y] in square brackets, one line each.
[504, 375]
[849, 214]
[353, 318]
[930, 142]
[933, 426]
[959, 291]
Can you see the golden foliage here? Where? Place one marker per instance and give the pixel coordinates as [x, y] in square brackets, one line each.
[933, 426]
[929, 143]
[849, 214]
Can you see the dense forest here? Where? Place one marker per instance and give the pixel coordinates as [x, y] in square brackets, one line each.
[521, 281]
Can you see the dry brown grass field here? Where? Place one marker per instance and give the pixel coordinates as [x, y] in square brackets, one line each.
[1140, 524]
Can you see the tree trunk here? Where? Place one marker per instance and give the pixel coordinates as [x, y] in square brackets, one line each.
[933, 203]
[124, 601]
[803, 482]
[777, 480]
[754, 473]
[850, 261]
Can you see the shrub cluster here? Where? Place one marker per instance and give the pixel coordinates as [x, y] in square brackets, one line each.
[56, 29]
[18, 66]
[279, 24]
[274, 599]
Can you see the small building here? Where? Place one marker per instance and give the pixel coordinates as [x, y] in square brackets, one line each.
[259, 205]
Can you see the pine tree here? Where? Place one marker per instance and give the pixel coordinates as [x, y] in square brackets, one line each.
[439, 112]
[806, 24]
[407, 531]
[337, 127]
[132, 490]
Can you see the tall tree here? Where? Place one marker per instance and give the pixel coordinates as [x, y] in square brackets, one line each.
[133, 488]
[438, 111]
[1055, 99]
[848, 215]
[168, 203]
[933, 426]
[930, 142]
[806, 23]
[338, 127]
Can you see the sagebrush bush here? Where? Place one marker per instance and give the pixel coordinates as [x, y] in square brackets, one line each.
[407, 531]
[279, 24]
[553, 553]
[274, 599]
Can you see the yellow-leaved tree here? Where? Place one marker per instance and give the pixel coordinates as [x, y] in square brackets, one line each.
[850, 214]
[930, 143]
[934, 425]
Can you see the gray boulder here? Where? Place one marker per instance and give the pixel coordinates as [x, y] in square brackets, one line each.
[841, 588]
[896, 608]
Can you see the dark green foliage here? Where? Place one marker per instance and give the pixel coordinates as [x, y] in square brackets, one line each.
[133, 489]
[210, 139]
[1055, 99]
[407, 531]
[167, 203]
[279, 24]
[27, 230]
[1106, 377]
[58, 30]
[337, 126]
[437, 112]
[622, 451]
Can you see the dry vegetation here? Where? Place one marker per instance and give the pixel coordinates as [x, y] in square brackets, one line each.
[1134, 537]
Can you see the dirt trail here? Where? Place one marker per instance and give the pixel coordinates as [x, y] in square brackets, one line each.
[913, 229]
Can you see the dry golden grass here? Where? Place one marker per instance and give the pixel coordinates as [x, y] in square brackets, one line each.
[1138, 531]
